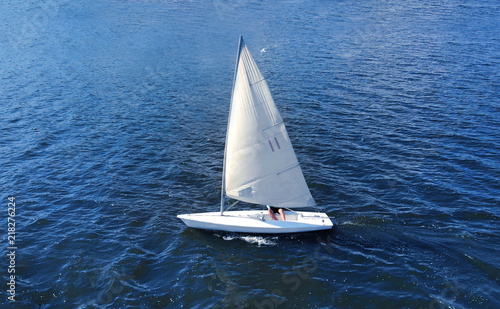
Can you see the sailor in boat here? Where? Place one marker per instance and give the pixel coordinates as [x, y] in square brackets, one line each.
[274, 210]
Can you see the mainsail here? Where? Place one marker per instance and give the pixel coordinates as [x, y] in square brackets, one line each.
[260, 164]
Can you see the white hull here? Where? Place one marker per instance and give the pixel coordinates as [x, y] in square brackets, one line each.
[258, 222]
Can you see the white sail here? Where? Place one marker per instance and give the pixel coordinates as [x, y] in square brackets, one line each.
[260, 163]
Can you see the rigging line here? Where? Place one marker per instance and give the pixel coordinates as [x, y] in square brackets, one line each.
[233, 204]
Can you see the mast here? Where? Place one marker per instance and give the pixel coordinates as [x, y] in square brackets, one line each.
[223, 189]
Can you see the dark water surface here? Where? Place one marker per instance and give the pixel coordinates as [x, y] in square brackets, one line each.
[113, 118]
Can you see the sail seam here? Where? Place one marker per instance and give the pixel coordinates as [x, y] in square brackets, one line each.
[263, 142]
[251, 84]
[274, 125]
[265, 176]
[286, 170]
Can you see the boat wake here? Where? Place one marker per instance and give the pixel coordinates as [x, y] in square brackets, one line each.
[259, 240]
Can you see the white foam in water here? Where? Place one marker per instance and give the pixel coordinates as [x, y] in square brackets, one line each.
[259, 240]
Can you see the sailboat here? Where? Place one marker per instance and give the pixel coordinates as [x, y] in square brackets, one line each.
[260, 166]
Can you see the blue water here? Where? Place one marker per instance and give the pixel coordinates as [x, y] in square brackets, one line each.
[113, 118]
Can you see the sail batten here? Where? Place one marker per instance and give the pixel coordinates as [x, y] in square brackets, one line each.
[260, 165]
